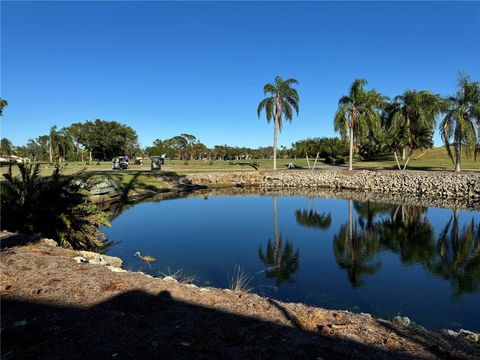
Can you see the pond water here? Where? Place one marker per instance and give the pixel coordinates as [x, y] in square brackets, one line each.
[383, 259]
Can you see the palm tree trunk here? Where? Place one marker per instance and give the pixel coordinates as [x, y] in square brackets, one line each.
[458, 154]
[350, 161]
[50, 151]
[275, 128]
[369, 144]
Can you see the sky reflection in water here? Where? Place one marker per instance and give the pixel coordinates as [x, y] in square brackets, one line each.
[342, 254]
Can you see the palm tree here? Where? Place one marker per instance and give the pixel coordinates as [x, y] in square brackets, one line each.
[357, 113]
[3, 105]
[411, 118]
[53, 142]
[6, 147]
[283, 98]
[462, 120]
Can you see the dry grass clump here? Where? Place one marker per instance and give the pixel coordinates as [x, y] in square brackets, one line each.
[240, 281]
[179, 276]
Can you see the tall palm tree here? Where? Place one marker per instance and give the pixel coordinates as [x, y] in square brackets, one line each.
[358, 113]
[411, 117]
[53, 142]
[462, 120]
[283, 100]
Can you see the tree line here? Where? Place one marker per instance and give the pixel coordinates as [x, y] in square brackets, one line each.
[368, 122]
[372, 122]
[98, 139]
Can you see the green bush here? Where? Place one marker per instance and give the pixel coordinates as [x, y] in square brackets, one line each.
[210, 162]
[339, 160]
[330, 160]
[54, 207]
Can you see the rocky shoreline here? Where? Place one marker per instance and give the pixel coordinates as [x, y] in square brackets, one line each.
[444, 189]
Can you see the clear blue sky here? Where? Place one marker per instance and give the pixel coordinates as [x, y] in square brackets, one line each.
[199, 68]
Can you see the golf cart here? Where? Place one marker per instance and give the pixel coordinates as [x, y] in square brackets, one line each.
[119, 163]
[157, 162]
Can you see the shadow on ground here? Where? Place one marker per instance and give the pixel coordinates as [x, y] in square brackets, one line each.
[141, 326]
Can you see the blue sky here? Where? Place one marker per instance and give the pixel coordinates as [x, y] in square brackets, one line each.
[167, 68]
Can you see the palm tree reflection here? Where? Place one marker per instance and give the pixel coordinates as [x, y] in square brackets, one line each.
[313, 218]
[408, 232]
[281, 259]
[354, 248]
[458, 255]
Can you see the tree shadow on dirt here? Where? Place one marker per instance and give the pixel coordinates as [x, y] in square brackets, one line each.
[141, 326]
[10, 240]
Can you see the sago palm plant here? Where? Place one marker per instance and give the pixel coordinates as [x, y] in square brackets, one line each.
[54, 207]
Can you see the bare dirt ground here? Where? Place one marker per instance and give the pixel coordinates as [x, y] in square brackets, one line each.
[53, 307]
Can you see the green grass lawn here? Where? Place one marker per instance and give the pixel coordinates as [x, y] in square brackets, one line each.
[430, 160]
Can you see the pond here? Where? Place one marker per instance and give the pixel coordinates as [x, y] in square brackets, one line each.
[384, 259]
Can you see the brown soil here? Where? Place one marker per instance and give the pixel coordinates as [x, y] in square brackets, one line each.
[54, 307]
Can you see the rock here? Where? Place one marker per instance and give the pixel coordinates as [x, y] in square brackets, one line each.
[80, 259]
[116, 269]
[368, 316]
[169, 278]
[401, 320]
[49, 242]
[100, 259]
[468, 335]
[450, 332]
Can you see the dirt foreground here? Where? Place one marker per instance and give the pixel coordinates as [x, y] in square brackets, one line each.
[56, 307]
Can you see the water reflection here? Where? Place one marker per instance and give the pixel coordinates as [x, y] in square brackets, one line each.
[458, 255]
[281, 259]
[408, 232]
[355, 247]
[312, 218]
[453, 255]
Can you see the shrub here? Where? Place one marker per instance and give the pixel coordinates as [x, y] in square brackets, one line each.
[185, 163]
[210, 162]
[55, 207]
[330, 160]
[339, 160]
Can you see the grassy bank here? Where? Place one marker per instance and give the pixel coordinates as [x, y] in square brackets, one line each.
[432, 159]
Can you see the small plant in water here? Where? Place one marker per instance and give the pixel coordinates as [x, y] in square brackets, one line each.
[240, 281]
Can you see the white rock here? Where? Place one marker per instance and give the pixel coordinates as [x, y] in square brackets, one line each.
[49, 242]
[401, 320]
[80, 259]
